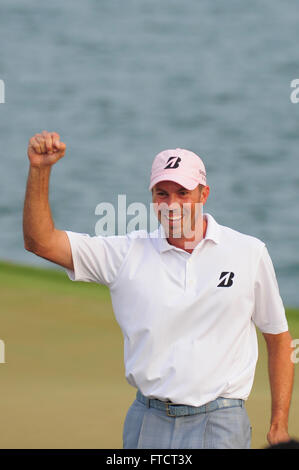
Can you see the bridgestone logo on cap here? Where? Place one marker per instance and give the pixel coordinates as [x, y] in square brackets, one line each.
[173, 162]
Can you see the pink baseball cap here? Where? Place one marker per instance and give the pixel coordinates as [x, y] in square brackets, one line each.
[181, 166]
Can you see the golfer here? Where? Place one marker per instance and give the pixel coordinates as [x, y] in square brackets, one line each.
[188, 298]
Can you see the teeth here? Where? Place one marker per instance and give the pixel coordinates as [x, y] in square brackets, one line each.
[178, 217]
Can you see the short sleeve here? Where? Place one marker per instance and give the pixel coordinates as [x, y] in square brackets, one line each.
[96, 259]
[269, 313]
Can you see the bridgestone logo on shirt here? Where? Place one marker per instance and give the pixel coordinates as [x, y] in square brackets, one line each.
[227, 279]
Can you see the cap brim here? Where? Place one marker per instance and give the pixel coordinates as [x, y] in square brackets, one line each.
[188, 183]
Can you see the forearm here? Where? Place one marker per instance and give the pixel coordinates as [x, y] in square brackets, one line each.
[281, 375]
[38, 225]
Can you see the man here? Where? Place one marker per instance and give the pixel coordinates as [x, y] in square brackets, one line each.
[187, 298]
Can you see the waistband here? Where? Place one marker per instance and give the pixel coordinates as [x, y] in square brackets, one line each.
[174, 410]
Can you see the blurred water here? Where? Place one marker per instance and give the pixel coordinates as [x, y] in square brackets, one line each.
[120, 81]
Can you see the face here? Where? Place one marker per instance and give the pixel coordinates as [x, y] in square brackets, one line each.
[178, 208]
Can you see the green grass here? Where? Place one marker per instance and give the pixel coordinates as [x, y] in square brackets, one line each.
[63, 383]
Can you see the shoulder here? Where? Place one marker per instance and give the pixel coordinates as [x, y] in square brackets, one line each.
[112, 241]
[138, 235]
[240, 240]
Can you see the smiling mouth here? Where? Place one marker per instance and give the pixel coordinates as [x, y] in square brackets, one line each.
[173, 217]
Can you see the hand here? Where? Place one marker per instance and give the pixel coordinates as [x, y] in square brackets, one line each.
[45, 149]
[278, 434]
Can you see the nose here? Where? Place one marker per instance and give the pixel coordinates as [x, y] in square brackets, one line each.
[173, 203]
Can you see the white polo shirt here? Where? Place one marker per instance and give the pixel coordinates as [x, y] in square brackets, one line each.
[188, 320]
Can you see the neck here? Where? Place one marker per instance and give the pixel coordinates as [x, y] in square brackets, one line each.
[188, 244]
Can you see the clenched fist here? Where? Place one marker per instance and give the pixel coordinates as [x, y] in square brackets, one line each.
[45, 149]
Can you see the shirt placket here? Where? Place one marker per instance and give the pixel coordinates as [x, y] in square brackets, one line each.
[189, 277]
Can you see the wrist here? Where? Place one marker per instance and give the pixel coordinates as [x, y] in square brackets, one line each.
[279, 424]
[40, 168]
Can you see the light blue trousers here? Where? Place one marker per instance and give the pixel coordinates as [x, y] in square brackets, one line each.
[149, 428]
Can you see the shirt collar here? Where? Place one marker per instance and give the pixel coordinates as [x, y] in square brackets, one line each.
[212, 233]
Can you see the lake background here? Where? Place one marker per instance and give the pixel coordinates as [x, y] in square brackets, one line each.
[122, 80]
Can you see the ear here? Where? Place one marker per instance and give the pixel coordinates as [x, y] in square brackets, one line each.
[205, 193]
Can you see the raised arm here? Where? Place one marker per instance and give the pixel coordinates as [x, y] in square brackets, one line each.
[40, 235]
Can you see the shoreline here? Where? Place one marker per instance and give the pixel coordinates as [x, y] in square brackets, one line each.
[59, 275]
